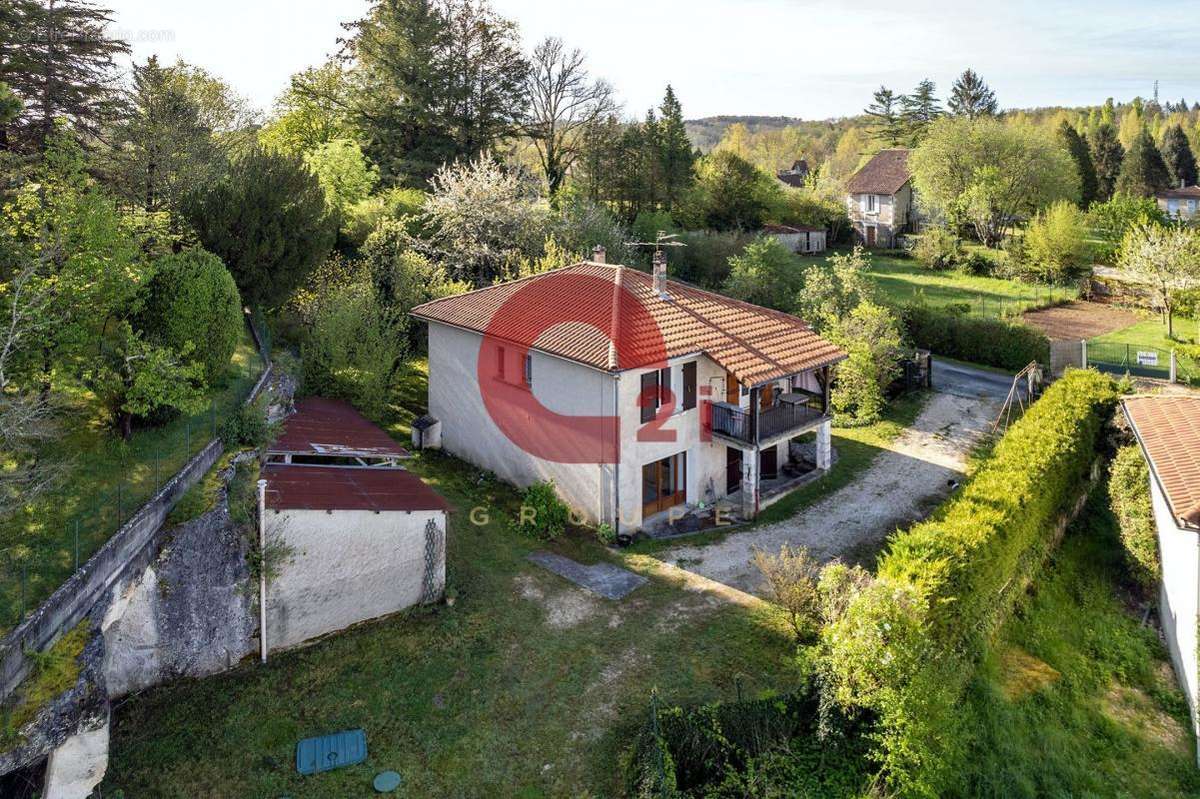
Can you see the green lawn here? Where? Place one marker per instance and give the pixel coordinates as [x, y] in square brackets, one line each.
[525, 686]
[101, 471]
[903, 280]
[1077, 698]
[1152, 332]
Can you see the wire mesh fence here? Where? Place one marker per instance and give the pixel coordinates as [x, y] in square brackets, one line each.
[42, 545]
[1031, 297]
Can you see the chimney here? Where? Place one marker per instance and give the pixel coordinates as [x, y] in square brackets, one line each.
[660, 273]
[598, 254]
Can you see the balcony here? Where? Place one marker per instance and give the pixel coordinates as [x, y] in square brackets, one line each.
[791, 412]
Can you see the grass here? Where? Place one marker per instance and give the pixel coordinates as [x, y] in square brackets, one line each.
[105, 481]
[524, 687]
[54, 671]
[1152, 332]
[901, 281]
[1077, 698]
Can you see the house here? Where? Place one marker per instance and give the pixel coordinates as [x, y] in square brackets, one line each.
[797, 239]
[879, 199]
[359, 536]
[1179, 203]
[796, 176]
[641, 397]
[1168, 430]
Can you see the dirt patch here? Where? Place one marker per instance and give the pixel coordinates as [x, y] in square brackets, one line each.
[1022, 674]
[565, 608]
[1134, 710]
[1076, 321]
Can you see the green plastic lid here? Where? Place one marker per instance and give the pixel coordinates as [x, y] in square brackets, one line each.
[386, 781]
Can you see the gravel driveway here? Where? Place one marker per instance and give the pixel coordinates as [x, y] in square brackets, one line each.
[901, 486]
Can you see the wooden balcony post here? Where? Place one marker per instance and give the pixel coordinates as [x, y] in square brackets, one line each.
[826, 380]
[754, 416]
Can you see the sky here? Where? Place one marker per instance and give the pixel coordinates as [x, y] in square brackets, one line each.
[812, 59]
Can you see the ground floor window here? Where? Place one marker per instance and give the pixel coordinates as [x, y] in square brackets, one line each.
[664, 484]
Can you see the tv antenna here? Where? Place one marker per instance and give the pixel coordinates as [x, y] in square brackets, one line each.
[662, 239]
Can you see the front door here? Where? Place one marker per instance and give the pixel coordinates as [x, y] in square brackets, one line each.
[871, 236]
[664, 484]
[733, 470]
[768, 469]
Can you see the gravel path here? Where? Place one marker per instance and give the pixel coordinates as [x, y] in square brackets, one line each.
[901, 486]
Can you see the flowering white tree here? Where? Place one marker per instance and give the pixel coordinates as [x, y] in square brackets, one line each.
[1166, 259]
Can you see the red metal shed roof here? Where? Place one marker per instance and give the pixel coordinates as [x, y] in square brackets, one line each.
[332, 427]
[303, 487]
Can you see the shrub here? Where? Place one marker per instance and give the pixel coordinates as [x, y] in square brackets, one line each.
[765, 274]
[792, 579]
[247, 426]
[1056, 243]
[704, 260]
[543, 515]
[871, 336]
[977, 263]
[908, 642]
[605, 534]
[992, 342]
[192, 305]
[937, 248]
[1129, 493]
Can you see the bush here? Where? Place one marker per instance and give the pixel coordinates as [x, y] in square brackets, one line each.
[192, 305]
[246, 427]
[937, 248]
[792, 579]
[871, 336]
[764, 274]
[605, 534]
[907, 643]
[543, 515]
[1129, 493]
[1056, 243]
[704, 260]
[977, 263]
[984, 340]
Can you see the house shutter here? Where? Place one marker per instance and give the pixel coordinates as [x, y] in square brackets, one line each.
[665, 387]
[689, 386]
[648, 396]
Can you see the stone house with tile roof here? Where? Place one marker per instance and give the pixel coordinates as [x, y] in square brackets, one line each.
[641, 397]
[879, 199]
[1181, 202]
[1168, 429]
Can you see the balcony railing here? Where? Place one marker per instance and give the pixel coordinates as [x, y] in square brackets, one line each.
[790, 412]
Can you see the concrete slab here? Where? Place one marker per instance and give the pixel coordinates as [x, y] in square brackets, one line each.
[605, 579]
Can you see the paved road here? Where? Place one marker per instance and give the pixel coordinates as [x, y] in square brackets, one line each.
[901, 486]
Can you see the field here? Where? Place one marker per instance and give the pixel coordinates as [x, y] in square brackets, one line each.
[105, 479]
[1077, 321]
[1152, 332]
[902, 280]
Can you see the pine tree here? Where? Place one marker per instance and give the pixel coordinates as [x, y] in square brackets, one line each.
[1143, 172]
[1177, 153]
[1076, 145]
[55, 56]
[971, 97]
[918, 109]
[885, 113]
[674, 151]
[1107, 155]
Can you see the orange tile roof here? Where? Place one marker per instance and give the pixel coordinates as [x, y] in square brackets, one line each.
[609, 317]
[885, 173]
[1169, 430]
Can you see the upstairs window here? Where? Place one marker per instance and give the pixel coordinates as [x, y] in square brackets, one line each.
[872, 203]
[529, 371]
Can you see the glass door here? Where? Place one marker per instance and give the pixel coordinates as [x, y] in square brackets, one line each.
[664, 484]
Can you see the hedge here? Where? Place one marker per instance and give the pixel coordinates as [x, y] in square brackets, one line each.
[1129, 495]
[907, 645]
[979, 339]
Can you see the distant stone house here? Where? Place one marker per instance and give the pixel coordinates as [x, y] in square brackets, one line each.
[879, 199]
[1179, 203]
[1168, 430]
[796, 176]
[798, 239]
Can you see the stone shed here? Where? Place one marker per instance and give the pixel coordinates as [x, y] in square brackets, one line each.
[355, 535]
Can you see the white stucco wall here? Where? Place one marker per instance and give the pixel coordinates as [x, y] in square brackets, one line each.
[1180, 593]
[346, 567]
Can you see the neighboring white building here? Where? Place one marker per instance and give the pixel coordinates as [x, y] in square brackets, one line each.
[879, 199]
[803, 240]
[1180, 202]
[362, 536]
[1168, 429]
[637, 395]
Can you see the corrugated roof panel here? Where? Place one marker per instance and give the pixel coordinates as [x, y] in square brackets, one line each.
[326, 752]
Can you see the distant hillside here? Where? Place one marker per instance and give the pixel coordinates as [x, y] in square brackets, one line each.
[706, 132]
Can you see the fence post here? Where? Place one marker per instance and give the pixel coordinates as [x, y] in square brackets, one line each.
[76, 543]
[212, 412]
[1083, 351]
[157, 480]
[1174, 367]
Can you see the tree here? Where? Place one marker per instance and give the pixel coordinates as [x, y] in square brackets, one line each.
[887, 124]
[482, 220]
[672, 149]
[266, 220]
[1143, 172]
[970, 97]
[563, 102]
[792, 577]
[1107, 155]
[870, 334]
[344, 174]
[162, 147]
[1177, 153]
[435, 81]
[313, 110]
[57, 59]
[831, 290]
[1077, 147]
[10, 109]
[1056, 242]
[918, 110]
[192, 305]
[731, 193]
[1165, 259]
[982, 173]
[764, 274]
